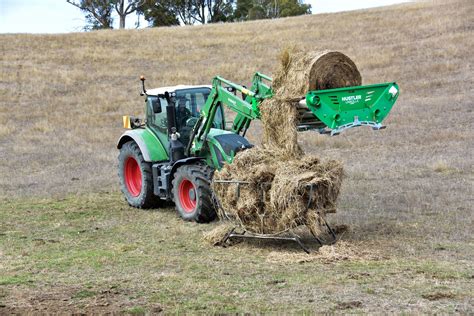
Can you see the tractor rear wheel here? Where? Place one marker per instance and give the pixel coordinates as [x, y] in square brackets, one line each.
[136, 180]
[192, 193]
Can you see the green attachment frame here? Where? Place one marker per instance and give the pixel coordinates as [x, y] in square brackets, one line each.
[334, 109]
[344, 108]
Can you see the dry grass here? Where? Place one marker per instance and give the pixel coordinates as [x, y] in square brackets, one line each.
[442, 167]
[66, 93]
[61, 101]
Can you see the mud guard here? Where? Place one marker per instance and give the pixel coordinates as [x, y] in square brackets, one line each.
[150, 146]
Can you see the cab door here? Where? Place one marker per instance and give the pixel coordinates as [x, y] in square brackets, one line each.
[158, 121]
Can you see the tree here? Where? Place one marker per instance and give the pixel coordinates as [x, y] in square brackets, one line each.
[159, 13]
[98, 13]
[220, 11]
[257, 12]
[203, 11]
[124, 8]
[184, 10]
[242, 9]
[293, 8]
[269, 9]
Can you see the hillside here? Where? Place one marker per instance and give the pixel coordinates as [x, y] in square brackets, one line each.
[63, 95]
[407, 193]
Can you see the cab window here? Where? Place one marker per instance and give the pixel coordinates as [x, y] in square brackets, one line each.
[189, 103]
[158, 120]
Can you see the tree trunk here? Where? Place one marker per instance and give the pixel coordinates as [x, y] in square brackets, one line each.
[122, 22]
[122, 14]
[203, 12]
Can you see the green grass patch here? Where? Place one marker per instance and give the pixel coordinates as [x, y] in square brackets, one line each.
[136, 310]
[15, 279]
[84, 294]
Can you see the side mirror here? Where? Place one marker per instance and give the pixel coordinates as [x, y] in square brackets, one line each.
[156, 106]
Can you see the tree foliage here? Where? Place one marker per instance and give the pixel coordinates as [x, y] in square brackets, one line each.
[159, 13]
[292, 8]
[269, 9]
[193, 11]
[98, 13]
[176, 12]
[216, 11]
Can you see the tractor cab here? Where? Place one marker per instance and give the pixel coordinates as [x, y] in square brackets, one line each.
[188, 102]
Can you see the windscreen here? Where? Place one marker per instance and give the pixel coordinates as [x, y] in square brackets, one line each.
[189, 103]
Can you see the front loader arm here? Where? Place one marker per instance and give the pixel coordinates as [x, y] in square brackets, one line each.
[262, 91]
[245, 106]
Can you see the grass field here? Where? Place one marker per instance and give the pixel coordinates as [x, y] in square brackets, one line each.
[93, 253]
[68, 241]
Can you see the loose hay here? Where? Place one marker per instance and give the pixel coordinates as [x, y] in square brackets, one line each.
[341, 251]
[275, 196]
[217, 235]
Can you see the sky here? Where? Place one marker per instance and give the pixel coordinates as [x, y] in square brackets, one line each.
[57, 16]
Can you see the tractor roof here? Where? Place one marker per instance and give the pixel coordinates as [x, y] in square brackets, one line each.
[162, 90]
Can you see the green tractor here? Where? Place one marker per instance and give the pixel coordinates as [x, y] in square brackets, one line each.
[172, 153]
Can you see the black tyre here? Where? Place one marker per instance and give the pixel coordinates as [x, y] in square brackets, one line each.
[192, 193]
[136, 179]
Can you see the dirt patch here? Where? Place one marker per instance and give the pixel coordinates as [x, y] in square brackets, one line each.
[71, 300]
[438, 296]
[349, 305]
[280, 186]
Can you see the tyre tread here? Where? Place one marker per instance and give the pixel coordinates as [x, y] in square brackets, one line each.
[200, 175]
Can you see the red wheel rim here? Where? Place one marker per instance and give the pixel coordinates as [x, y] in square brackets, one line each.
[187, 195]
[133, 176]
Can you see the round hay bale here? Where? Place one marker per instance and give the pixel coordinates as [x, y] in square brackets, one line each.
[279, 118]
[301, 72]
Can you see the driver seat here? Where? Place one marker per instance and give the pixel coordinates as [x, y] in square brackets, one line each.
[182, 115]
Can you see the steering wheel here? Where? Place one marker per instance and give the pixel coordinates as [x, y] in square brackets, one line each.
[190, 122]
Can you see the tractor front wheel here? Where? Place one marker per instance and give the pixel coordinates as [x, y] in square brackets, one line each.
[192, 193]
[136, 180]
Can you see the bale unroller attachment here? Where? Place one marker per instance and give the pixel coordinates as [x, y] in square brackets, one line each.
[344, 108]
[326, 88]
